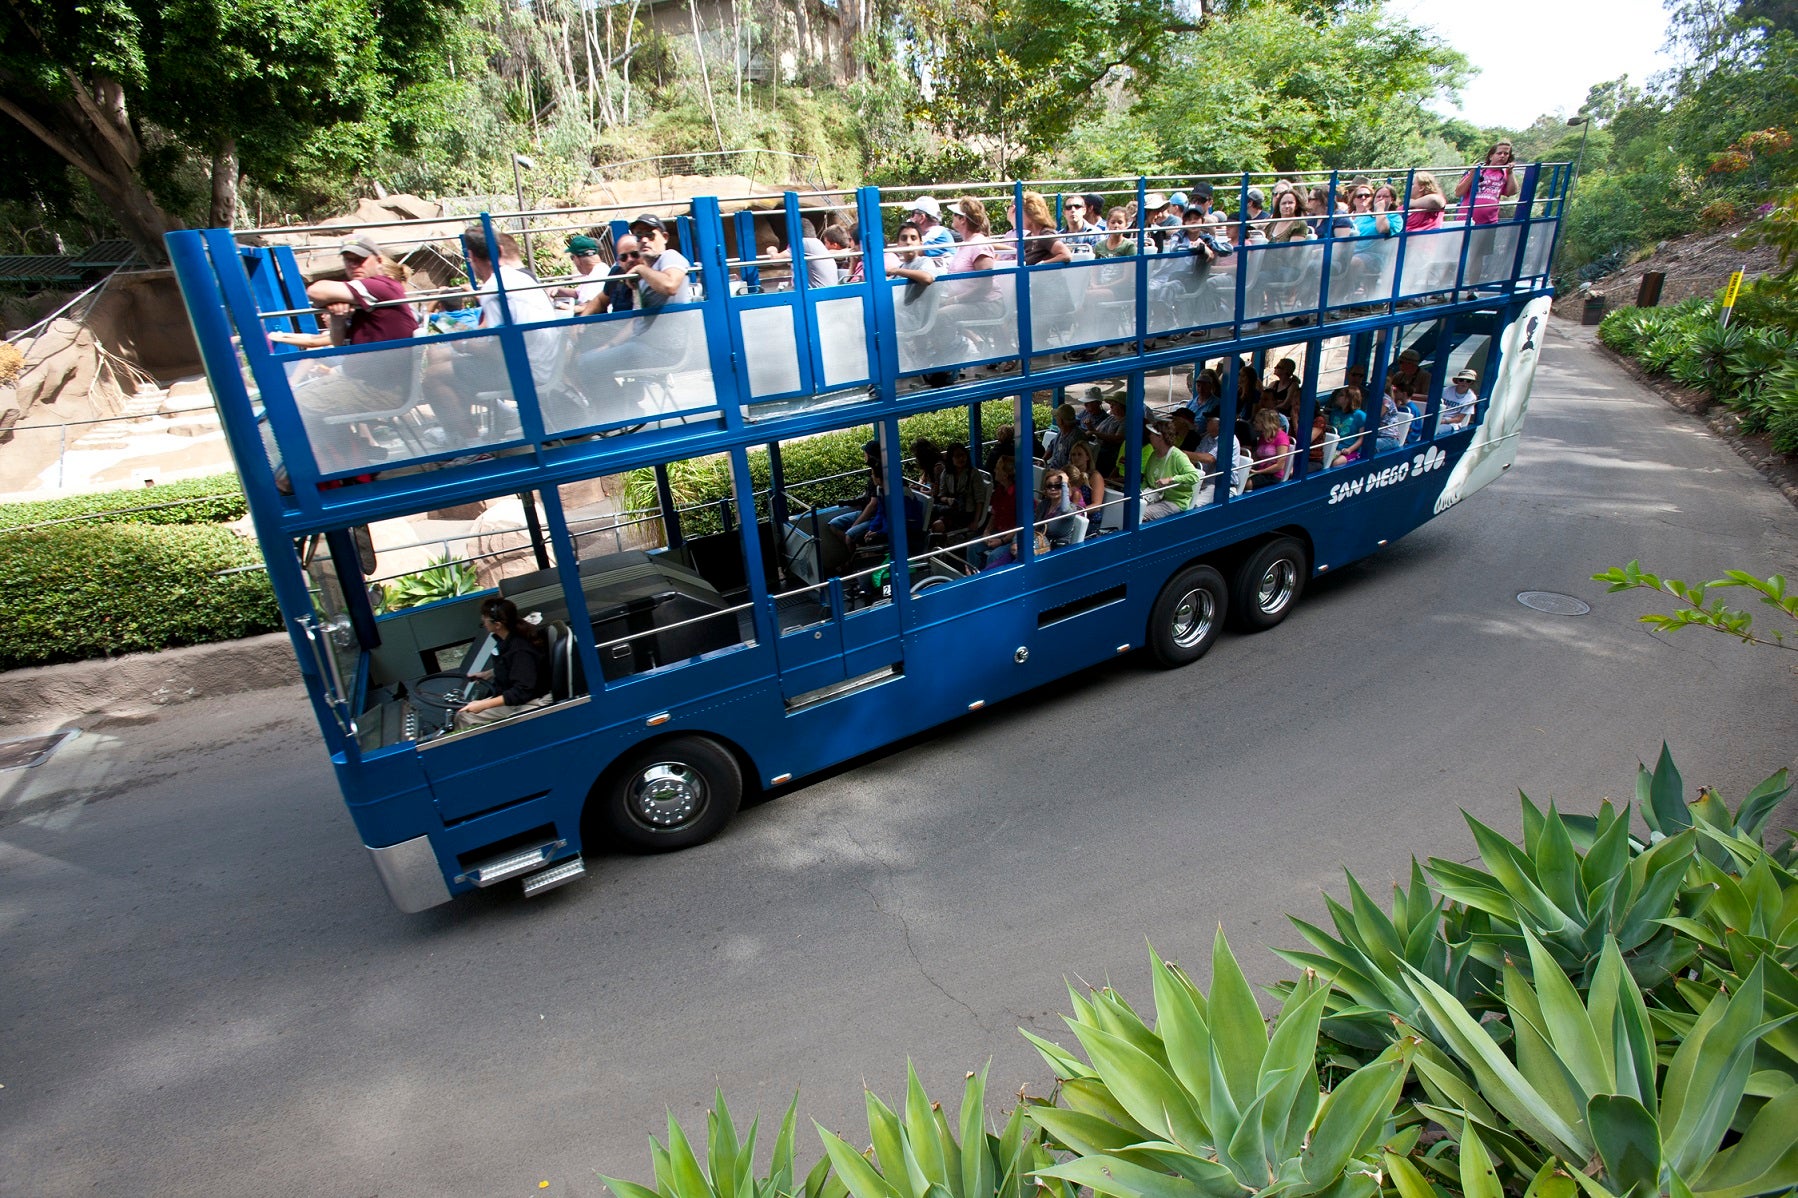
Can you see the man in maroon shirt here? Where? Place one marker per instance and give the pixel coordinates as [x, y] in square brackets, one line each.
[350, 304]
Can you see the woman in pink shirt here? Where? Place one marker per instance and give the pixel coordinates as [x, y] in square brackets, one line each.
[1423, 207]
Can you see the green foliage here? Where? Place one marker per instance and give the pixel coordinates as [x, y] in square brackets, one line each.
[1752, 366]
[1209, 1096]
[98, 590]
[215, 499]
[915, 1151]
[729, 1167]
[1717, 614]
[1274, 88]
[444, 578]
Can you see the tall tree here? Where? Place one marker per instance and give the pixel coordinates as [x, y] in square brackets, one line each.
[126, 92]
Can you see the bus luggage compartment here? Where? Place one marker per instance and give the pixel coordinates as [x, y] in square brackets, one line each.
[629, 594]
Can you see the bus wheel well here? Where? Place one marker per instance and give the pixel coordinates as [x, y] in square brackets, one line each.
[669, 791]
[1231, 557]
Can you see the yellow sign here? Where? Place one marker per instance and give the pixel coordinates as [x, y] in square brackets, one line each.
[1735, 285]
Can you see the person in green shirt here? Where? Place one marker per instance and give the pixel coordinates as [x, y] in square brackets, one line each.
[1167, 473]
[1117, 243]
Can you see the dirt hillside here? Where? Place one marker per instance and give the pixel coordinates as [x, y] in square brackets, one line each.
[1696, 264]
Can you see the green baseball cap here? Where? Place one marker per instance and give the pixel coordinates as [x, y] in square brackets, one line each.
[582, 245]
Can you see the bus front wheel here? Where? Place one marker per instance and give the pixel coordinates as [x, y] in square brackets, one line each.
[672, 795]
[1269, 583]
[1188, 615]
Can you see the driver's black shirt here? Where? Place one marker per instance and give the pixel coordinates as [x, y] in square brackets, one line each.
[521, 670]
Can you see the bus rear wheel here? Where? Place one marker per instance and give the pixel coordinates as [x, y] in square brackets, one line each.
[1269, 583]
[1188, 615]
[671, 795]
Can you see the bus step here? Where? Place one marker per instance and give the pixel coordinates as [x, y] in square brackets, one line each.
[510, 865]
[559, 874]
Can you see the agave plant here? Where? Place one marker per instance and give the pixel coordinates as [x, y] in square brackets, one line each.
[1208, 1105]
[729, 1171]
[915, 1153]
[1660, 793]
[1573, 899]
[1361, 963]
[1583, 1082]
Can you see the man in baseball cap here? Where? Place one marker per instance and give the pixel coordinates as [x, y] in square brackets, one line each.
[351, 304]
[926, 213]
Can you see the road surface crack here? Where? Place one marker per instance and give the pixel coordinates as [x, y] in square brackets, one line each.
[895, 913]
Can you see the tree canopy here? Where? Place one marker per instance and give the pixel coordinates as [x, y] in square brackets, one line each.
[143, 97]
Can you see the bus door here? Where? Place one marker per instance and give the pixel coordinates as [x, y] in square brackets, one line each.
[831, 577]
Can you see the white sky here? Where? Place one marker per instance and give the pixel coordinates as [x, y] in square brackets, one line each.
[1539, 55]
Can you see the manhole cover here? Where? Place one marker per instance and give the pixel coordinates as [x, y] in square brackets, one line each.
[1554, 603]
[23, 752]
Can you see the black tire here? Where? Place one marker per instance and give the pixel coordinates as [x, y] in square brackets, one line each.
[671, 795]
[1268, 584]
[1188, 615]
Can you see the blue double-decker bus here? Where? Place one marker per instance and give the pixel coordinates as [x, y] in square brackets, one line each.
[716, 603]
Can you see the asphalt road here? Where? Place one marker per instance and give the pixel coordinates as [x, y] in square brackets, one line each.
[205, 991]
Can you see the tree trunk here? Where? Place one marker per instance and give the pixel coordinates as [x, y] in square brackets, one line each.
[94, 136]
[224, 184]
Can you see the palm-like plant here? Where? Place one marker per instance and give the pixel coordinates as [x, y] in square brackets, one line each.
[1583, 1082]
[729, 1171]
[915, 1153]
[1208, 1105]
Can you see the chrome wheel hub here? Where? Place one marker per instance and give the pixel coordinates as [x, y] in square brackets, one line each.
[1277, 587]
[667, 795]
[1192, 617]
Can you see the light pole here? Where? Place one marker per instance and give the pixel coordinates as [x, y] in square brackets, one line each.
[1584, 124]
[518, 161]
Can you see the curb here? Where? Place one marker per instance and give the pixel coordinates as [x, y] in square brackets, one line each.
[138, 684]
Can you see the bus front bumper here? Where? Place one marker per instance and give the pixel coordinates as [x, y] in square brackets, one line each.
[410, 872]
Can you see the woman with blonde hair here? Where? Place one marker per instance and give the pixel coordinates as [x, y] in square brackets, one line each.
[1423, 207]
[1041, 244]
[1085, 476]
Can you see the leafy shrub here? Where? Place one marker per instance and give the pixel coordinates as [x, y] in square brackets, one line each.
[833, 461]
[97, 590]
[444, 578]
[215, 499]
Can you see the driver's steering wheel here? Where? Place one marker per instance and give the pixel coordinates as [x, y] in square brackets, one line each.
[447, 690]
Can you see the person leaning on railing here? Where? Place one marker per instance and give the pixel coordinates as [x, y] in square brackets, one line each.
[661, 278]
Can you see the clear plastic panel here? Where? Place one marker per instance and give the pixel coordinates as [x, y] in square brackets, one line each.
[367, 410]
[643, 368]
[1361, 270]
[1055, 314]
[956, 320]
[771, 349]
[1431, 259]
[1491, 251]
[1282, 278]
[1185, 293]
[1103, 296]
[843, 340]
[1536, 251]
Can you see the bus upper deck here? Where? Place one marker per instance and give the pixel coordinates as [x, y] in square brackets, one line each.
[694, 643]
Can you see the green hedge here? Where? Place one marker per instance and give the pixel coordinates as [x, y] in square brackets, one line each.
[215, 499]
[1751, 366]
[700, 481]
[81, 591]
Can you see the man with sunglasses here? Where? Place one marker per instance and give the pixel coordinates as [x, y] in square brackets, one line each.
[605, 290]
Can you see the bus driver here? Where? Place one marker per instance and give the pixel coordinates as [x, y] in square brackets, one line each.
[521, 668]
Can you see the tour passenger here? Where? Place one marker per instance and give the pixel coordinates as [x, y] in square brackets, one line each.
[999, 546]
[1396, 414]
[1347, 422]
[1067, 433]
[1483, 187]
[907, 259]
[958, 501]
[476, 365]
[926, 214]
[1085, 476]
[1116, 243]
[1041, 245]
[1058, 510]
[1410, 374]
[605, 290]
[1211, 450]
[1459, 404]
[1079, 231]
[660, 278]
[1423, 207]
[1168, 477]
[521, 669]
[1273, 448]
[841, 245]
